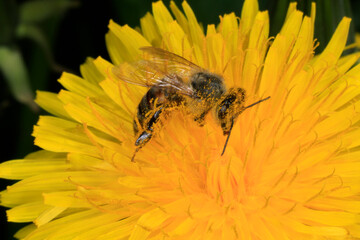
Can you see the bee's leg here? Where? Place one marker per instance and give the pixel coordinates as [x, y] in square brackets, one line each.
[146, 135]
[154, 119]
[141, 141]
[136, 126]
[133, 157]
[200, 119]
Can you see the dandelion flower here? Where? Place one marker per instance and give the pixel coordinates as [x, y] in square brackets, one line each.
[291, 169]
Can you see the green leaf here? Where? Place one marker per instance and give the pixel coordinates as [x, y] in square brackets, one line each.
[40, 10]
[14, 70]
[35, 33]
[278, 10]
[328, 15]
[8, 20]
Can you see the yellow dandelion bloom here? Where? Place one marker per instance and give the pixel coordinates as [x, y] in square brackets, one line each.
[291, 168]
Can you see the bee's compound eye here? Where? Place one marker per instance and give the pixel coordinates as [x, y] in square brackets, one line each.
[197, 81]
[194, 84]
[222, 111]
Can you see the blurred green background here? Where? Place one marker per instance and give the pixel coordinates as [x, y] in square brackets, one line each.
[41, 38]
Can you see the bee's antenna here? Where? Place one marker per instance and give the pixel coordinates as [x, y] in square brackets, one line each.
[251, 105]
[232, 122]
[228, 136]
[133, 157]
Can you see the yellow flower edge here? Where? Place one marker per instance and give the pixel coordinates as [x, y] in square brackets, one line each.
[291, 169]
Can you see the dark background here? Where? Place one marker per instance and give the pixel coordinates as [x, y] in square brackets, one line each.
[79, 32]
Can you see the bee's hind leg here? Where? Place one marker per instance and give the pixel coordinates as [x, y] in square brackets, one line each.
[200, 119]
[144, 137]
[133, 157]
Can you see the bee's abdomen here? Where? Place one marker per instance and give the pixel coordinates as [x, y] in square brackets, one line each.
[154, 98]
[154, 95]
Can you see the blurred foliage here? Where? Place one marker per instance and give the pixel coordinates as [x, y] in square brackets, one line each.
[23, 21]
[328, 15]
[41, 38]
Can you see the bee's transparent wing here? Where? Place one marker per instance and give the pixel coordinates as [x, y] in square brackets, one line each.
[161, 68]
[138, 74]
[144, 74]
[170, 62]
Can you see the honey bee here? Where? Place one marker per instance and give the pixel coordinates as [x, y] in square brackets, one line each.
[172, 82]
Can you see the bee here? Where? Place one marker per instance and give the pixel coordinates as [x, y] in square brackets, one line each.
[172, 82]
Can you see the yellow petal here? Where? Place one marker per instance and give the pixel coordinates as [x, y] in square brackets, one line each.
[316, 230]
[184, 227]
[148, 222]
[255, 53]
[336, 204]
[60, 181]
[113, 45]
[82, 87]
[80, 222]
[180, 17]
[130, 39]
[48, 215]
[354, 230]
[89, 71]
[20, 169]
[51, 103]
[64, 199]
[58, 135]
[23, 232]
[196, 33]
[26, 212]
[229, 30]
[110, 231]
[162, 16]
[329, 218]
[14, 198]
[248, 14]
[278, 54]
[292, 8]
[92, 112]
[335, 47]
[150, 30]
[123, 43]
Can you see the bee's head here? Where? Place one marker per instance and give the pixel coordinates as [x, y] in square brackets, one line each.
[207, 85]
[229, 107]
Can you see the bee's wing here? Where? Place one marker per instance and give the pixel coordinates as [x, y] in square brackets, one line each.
[161, 68]
[138, 74]
[146, 74]
[170, 62]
